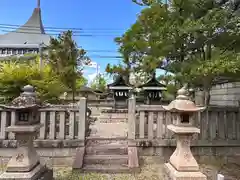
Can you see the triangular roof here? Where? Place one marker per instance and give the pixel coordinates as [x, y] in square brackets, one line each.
[32, 32]
[153, 82]
[119, 81]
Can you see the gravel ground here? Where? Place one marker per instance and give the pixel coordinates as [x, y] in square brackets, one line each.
[152, 170]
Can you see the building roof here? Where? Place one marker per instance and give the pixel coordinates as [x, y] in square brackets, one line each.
[153, 82]
[119, 81]
[32, 32]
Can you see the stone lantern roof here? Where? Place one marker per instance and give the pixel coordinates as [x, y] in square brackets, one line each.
[26, 100]
[183, 103]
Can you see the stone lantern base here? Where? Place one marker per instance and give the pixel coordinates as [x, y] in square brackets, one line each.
[38, 173]
[25, 163]
[172, 174]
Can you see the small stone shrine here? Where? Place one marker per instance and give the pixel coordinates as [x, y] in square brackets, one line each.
[153, 90]
[182, 164]
[119, 113]
[25, 163]
[120, 90]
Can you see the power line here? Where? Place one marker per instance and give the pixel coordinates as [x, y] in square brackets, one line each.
[64, 28]
[27, 29]
[56, 34]
[107, 57]
[106, 51]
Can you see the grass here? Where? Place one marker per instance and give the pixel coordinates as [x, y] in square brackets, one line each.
[151, 171]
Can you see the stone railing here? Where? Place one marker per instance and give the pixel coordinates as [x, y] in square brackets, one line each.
[62, 126]
[219, 126]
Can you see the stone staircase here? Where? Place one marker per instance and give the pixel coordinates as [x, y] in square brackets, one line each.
[109, 156]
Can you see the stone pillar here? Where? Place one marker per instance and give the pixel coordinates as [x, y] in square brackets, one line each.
[82, 119]
[131, 118]
[182, 158]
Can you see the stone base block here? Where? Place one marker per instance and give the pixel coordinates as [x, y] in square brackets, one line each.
[172, 174]
[38, 173]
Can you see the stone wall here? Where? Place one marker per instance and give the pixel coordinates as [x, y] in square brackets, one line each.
[226, 94]
[63, 157]
[215, 153]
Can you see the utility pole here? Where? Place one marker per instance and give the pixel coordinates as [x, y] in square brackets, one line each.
[97, 75]
[40, 57]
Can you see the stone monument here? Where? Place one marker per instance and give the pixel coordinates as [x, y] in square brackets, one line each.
[25, 163]
[182, 164]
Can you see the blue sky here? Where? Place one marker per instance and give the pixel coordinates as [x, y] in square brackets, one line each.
[105, 19]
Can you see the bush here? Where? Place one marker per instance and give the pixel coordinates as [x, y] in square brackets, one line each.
[13, 76]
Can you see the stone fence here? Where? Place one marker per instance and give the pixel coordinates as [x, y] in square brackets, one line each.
[219, 136]
[62, 126]
[64, 130]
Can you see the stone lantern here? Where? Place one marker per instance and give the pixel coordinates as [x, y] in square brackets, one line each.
[25, 163]
[182, 164]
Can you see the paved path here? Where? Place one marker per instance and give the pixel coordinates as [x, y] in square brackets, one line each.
[108, 130]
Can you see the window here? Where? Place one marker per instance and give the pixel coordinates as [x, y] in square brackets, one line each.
[14, 51]
[9, 51]
[23, 116]
[185, 118]
[20, 51]
[30, 51]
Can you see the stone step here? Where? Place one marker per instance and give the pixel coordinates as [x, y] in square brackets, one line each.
[112, 120]
[106, 159]
[107, 169]
[107, 150]
[98, 141]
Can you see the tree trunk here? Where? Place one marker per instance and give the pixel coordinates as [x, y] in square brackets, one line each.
[73, 90]
[73, 95]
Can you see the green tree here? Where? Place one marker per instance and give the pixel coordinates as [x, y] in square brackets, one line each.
[99, 83]
[81, 81]
[67, 60]
[13, 76]
[192, 36]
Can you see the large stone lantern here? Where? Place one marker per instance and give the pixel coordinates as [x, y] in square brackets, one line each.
[25, 163]
[182, 164]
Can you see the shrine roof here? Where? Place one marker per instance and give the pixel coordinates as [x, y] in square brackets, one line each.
[119, 82]
[153, 82]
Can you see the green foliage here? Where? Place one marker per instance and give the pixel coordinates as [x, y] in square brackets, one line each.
[67, 60]
[99, 83]
[172, 82]
[199, 39]
[81, 81]
[13, 76]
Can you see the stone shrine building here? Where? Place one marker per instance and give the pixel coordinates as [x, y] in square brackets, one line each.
[153, 90]
[27, 39]
[120, 90]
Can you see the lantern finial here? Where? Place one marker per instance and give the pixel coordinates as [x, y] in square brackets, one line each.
[183, 93]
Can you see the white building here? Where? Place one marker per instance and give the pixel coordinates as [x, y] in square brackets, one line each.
[27, 38]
